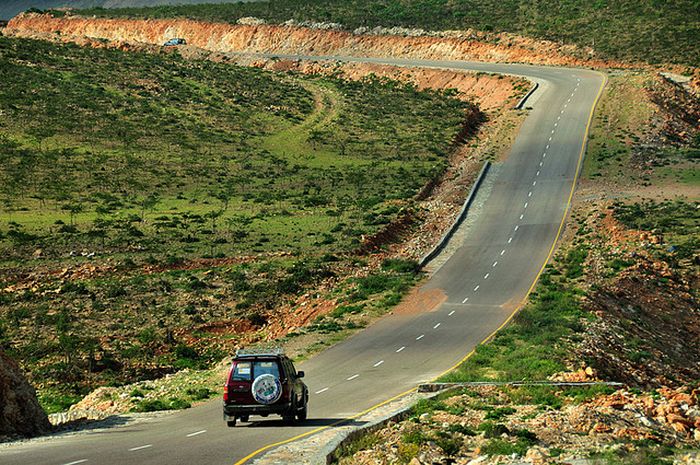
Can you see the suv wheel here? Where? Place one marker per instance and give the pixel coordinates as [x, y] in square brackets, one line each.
[244, 418]
[290, 414]
[231, 423]
[301, 414]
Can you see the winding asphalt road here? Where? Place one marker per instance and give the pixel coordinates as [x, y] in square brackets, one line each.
[485, 281]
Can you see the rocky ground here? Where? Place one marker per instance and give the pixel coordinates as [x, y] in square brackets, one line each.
[490, 425]
[646, 330]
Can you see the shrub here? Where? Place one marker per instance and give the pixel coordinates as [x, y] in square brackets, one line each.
[400, 265]
[416, 437]
[493, 430]
[407, 452]
[463, 429]
[174, 403]
[341, 310]
[504, 447]
[199, 393]
[499, 413]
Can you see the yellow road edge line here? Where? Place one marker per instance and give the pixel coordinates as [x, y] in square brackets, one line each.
[314, 431]
[487, 338]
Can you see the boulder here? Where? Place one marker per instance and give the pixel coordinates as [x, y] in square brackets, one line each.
[20, 412]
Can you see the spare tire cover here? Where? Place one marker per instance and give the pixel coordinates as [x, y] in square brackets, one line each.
[267, 389]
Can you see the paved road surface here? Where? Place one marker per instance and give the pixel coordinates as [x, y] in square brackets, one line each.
[485, 280]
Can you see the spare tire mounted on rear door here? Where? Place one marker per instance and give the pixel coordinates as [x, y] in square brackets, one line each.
[267, 389]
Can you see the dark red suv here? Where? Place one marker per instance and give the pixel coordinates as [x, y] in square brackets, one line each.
[264, 383]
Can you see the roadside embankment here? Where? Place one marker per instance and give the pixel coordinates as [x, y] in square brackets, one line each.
[262, 38]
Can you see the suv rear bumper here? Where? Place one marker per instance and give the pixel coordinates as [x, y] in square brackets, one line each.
[236, 410]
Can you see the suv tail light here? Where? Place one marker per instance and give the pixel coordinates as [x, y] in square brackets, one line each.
[228, 378]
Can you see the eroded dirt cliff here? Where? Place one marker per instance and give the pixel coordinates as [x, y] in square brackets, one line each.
[262, 38]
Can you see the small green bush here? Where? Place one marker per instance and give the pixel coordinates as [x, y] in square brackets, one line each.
[499, 413]
[161, 404]
[449, 445]
[416, 437]
[505, 447]
[493, 430]
[400, 265]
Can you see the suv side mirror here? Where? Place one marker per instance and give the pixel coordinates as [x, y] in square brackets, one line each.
[300, 374]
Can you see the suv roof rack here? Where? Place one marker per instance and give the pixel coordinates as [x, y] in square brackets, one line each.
[258, 352]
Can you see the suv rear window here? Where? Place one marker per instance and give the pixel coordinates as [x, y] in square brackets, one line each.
[264, 367]
[245, 371]
[241, 372]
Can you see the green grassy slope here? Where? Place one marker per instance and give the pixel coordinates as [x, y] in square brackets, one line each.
[100, 139]
[204, 196]
[648, 30]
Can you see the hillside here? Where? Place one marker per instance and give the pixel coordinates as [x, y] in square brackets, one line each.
[10, 8]
[648, 31]
[155, 210]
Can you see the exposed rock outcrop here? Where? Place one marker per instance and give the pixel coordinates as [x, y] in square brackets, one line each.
[20, 412]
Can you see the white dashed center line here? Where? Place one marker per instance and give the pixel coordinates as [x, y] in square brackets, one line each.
[196, 433]
[322, 390]
[541, 163]
[486, 276]
[133, 449]
[476, 288]
[451, 313]
[495, 263]
[437, 326]
[76, 462]
[534, 183]
[525, 205]
[544, 155]
[465, 300]
[503, 251]
[420, 337]
[352, 377]
[538, 173]
[529, 194]
[400, 349]
[517, 226]
[522, 215]
[378, 363]
[510, 239]
[547, 148]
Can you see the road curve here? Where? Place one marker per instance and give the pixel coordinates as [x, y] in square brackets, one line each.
[485, 281]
